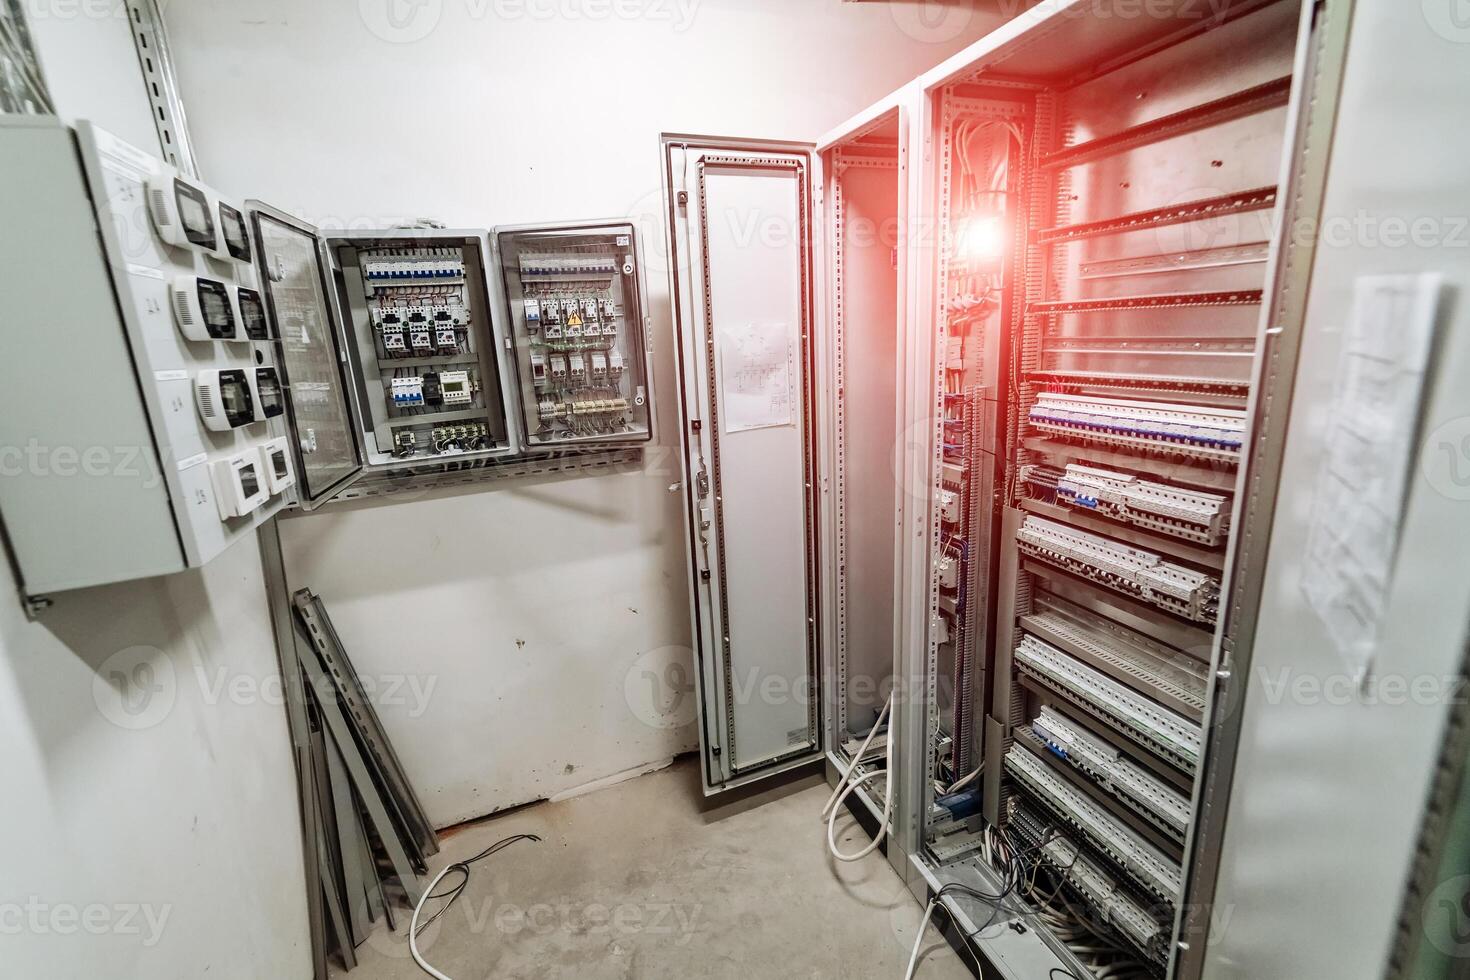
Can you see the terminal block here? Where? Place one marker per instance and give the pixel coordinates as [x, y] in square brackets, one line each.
[1145, 864]
[1141, 791]
[1189, 430]
[1142, 574]
[1193, 515]
[1166, 733]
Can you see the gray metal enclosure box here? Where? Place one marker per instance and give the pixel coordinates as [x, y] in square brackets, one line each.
[83, 493]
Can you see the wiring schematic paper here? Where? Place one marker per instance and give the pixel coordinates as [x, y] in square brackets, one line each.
[757, 365]
[1363, 480]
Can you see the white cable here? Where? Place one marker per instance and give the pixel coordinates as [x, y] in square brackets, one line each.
[413, 927]
[965, 780]
[854, 784]
[919, 939]
[862, 751]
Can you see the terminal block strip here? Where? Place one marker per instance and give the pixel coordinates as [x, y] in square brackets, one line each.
[1093, 882]
[1145, 794]
[1143, 574]
[1189, 514]
[1158, 875]
[1169, 735]
[1195, 431]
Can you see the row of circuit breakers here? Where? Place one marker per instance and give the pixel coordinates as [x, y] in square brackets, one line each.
[577, 358]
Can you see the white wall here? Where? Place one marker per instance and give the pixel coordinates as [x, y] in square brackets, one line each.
[149, 773]
[149, 825]
[532, 609]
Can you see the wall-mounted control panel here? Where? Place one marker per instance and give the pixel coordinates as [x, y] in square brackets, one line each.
[239, 360]
[161, 465]
[425, 346]
[576, 303]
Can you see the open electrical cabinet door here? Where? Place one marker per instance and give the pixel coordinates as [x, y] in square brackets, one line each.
[740, 217]
[310, 355]
[392, 348]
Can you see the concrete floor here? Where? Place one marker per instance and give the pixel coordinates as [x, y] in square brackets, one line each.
[641, 880]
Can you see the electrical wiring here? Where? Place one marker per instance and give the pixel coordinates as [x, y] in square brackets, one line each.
[1014, 876]
[964, 781]
[839, 793]
[453, 894]
[1106, 960]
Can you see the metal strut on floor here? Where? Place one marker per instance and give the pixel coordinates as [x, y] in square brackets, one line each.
[371, 836]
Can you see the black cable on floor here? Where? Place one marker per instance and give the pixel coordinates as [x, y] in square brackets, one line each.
[463, 868]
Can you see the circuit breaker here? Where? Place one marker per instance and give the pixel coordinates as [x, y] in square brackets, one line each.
[159, 460]
[576, 304]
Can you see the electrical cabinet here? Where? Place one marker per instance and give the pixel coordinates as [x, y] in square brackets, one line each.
[966, 416]
[224, 360]
[574, 298]
[137, 290]
[788, 265]
[425, 346]
[748, 395]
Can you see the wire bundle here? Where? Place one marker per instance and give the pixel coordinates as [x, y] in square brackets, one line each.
[847, 784]
[1105, 959]
[453, 893]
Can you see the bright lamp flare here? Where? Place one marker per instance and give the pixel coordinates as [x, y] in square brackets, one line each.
[979, 238]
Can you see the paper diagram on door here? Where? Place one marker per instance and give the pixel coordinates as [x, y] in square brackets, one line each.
[1362, 483]
[757, 365]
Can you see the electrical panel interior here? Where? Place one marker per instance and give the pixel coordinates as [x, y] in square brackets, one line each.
[577, 311]
[1101, 270]
[426, 346]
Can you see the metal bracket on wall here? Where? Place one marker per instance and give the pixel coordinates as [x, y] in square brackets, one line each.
[151, 40]
[439, 476]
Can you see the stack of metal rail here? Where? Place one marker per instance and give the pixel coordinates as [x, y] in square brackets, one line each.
[366, 836]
